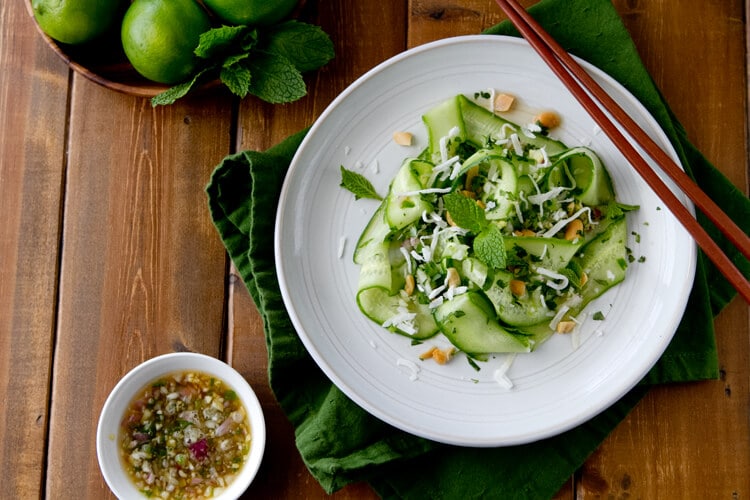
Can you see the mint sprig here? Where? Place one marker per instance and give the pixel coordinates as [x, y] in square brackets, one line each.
[268, 63]
[358, 185]
[489, 245]
[465, 212]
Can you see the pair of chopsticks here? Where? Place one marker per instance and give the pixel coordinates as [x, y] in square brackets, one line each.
[583, 87]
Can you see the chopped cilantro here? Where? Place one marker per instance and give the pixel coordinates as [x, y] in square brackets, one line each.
[598, 316]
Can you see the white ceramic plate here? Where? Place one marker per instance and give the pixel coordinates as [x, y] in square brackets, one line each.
[554, 388]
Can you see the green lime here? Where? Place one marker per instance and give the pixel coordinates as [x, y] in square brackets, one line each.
[160, 36]
[75, 21]
[252, 12]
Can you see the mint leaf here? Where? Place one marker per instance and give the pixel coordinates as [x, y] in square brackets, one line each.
[465, 212]
[170, 95]
[357, 184]
[489, 247]
[217, 40]
[237, 79]
[275, 79]
[616, 210]
[306, 46]
[234, 59]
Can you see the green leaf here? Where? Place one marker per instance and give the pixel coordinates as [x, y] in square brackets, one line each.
[237, 79]
[170, 95]
[234, 59]
[217, 40]
[489, 247]
[465, 212]
[616, 210]
[306, 46]
[357, 184]
[250, 40]
[275, 79]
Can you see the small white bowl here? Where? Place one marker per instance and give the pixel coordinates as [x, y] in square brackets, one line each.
[107, 445]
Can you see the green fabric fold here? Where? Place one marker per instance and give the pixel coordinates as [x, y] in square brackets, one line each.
[339, 442]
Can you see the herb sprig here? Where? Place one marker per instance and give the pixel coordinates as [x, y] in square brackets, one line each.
[488, 244]
[266, 63]
[358, 185]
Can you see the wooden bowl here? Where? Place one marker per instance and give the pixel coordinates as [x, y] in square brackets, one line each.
[104, 62]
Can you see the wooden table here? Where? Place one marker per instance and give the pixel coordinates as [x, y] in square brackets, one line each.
[108, 256]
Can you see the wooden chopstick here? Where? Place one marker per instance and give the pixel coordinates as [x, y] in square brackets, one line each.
[583, 87]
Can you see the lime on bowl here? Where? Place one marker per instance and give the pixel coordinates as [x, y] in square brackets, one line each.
[104, 62]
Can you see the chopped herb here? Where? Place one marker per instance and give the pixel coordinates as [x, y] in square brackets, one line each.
[598, 316]
[472, 363]
[358, 185]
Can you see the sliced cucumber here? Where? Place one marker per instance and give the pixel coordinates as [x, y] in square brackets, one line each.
[503, 189]
[376, 267]
[380, 306]
[593, 185]
[518, 311]
[480, 123]
[404, 204]
[474, 270]
[440, 120]
[373, 235]
[468, 322]
[604, 260]
[549, 253]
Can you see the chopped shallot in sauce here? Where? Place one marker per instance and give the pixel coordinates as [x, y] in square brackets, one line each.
[184, 436]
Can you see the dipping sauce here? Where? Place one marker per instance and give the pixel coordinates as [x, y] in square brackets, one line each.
[184, 436]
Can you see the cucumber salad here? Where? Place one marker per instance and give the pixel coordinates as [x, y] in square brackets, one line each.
[496, 236]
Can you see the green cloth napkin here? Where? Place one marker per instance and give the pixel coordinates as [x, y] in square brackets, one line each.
[341, 443]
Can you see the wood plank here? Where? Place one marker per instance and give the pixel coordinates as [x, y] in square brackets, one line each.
[143, 271]
[690, 440]
[359, 46]
[33, 99]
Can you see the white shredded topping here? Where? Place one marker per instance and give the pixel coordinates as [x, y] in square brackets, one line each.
[528, 132]
[405, 253]
[444, 143]
[545, 157]
[557, 281]
[435, 303]
[560, 313]
[347, 150]
[501, 374]
[503, 134]
[533, 127]
[610, 275]
[538, 199]
[437, 291]
[544, 252]
[375, 167]
[455, 170]
[342, 246]
[564, 222]
[519, 214]
[411, 366]
[516, 143]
